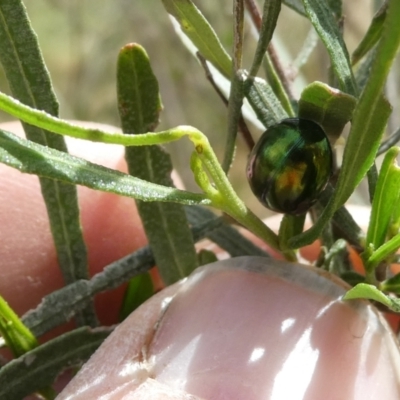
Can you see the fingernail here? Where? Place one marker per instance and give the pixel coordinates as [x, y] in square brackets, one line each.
[253, 328]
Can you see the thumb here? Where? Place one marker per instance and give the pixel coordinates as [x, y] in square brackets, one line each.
[247, 328]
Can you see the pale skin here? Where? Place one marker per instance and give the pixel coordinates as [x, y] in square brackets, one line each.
[112, 229]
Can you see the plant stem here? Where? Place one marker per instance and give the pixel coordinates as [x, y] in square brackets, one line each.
[225, 199]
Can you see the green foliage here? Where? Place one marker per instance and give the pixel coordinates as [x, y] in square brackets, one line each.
[30, 83]
[385, 201]
[139, 106]
[171, 228]
[38, 368]
[331, 108]
[16, 335]
[138, 291]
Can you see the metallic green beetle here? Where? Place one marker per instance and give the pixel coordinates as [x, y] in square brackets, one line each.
[290, 166]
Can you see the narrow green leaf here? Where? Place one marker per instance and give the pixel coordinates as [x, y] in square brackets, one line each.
[373, 34]
[382, 253]
[200, 32]
[30, 83]
[290, 226]
[371, 292]
[32, 158]
[394, 227]
[385, 199]
[369, 121]
[58, 307]
[372, 178]
[352, 278]
[330, 107]
[234, 113]
[278, 87]
[165, 224]
[372, 111]
[368, 124]
[392, 140]
[357, 159]
[271, 12]
[296, 5]
[140, 288]
[333, 261]
[225, 236]
[264, 101]
[204, 228]
[391, 285]
[363, 71]
[39, 368]
[61, 305]
[336, 7]
[206, 257]
[143, 106]
[323, 20]
[16, 335]
[343, 220]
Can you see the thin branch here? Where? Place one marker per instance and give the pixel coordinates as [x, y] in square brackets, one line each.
[392, 140]
[243, 128]
[255, 15]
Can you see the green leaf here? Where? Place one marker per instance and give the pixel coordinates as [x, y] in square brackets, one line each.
[371, 292]
[30, 83]
[206, 257]
[58, 307]
[234, 113]
[271, 12]
[372, 178]
[39, 368]
[295, 5]
[391, 141]
[270, 15]
[394, 227]
[330, 107]
[391, 285]
[165, 224]
[290, 225]
[264, 102]
[225, 236]
[333, 261]
[363, 71]
[140, 288]
[361, 147]
[61, 305]
[323, 20]
[352, 278]
[35, 159]
[343, 220]
[368, 124]
[373, 34]
[385, 199]
[139, 101]
[382, 253]
[16, 335]
[286, 100]
[200, 32]
[336, 7]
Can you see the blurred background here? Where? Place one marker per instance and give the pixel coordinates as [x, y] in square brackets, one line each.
[80, 40]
